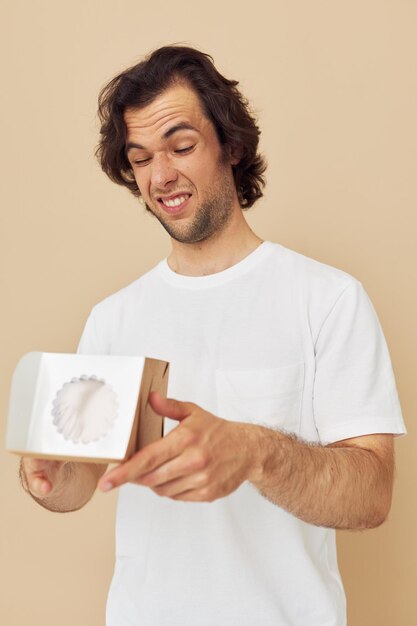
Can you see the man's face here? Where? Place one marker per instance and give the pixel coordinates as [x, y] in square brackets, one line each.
[179, 166]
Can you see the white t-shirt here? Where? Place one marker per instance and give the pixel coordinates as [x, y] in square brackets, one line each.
[277, 339]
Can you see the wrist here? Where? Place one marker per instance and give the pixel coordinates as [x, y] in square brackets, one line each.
[269, 449]
[258, 450]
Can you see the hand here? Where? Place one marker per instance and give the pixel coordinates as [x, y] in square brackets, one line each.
[44, 477]
[203, 459]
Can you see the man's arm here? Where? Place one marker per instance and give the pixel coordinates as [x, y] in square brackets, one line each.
[60, 486]
[345, 485]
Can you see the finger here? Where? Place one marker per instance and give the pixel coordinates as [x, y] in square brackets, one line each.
[31, 465]
[169, 407]
[39, 475]
[189, 465]
[143, 462]
[197, 495]
[39, 487]
[179, 486]
[38, 466]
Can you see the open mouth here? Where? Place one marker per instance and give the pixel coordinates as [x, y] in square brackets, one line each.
[174, 204]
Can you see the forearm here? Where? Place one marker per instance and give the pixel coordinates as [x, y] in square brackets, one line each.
[337, 487]
[76, 488]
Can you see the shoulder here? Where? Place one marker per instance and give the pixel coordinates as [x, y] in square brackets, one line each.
[116, 302]
[109, 315]
[318, 288]
[313, 278]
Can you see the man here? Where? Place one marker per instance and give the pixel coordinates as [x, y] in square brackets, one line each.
[285, 403]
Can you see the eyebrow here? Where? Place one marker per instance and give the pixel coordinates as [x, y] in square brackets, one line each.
[166, 135]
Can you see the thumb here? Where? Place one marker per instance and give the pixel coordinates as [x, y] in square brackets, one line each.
[169, 407]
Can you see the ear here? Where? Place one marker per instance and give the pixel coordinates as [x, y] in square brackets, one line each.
[235, 153]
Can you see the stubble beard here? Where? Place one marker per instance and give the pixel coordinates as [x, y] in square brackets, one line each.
[211, 216]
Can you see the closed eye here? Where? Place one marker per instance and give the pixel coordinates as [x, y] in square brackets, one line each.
[184, 150]
[140, 161]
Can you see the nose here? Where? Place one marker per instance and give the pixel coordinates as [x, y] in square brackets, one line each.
[162, 171]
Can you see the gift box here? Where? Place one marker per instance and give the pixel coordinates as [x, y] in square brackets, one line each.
[84, 407]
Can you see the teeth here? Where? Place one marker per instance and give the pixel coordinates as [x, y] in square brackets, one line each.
[175, 201]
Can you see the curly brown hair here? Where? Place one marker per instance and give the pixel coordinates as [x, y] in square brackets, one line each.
[222, 103]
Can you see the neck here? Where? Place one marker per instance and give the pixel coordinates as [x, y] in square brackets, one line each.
[215, 254]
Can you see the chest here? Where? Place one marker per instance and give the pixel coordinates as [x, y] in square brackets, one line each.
[244, 355]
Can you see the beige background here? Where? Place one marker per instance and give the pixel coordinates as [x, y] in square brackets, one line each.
[334, 87]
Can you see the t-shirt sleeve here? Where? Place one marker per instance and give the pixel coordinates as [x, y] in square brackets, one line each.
[90, 341]
[354, 388]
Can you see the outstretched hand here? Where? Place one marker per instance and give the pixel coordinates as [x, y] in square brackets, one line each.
[203, 459]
